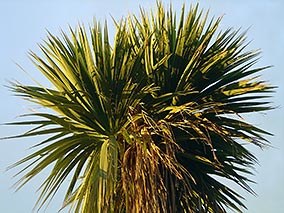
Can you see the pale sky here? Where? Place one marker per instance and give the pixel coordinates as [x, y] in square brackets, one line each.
[24, 23]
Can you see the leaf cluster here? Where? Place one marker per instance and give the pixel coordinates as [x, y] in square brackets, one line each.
[150, 123]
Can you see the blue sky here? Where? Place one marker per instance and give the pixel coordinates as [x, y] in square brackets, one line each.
[24, 23]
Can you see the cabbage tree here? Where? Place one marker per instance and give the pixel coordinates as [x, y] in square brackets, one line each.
[150, 123]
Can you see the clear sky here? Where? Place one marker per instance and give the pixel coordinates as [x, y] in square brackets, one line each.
[24, 23]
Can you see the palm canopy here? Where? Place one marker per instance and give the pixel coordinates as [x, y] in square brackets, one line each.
[147, 124]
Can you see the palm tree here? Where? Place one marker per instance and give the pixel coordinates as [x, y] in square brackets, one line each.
[151, 123]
